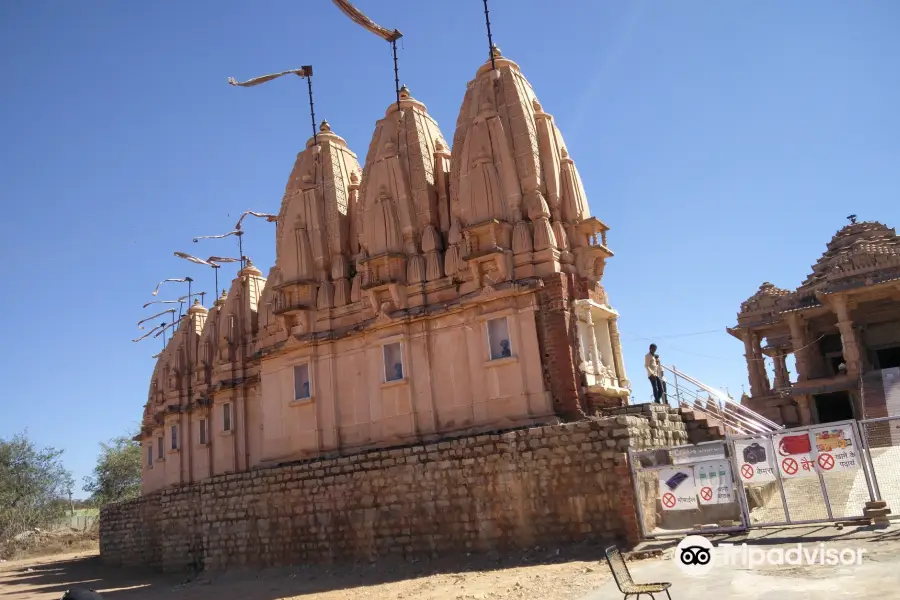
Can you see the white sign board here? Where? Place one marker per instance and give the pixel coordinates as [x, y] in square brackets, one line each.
[677, 490]
[836, 447]
[755, 460]
[693, 454]
[714, 484]
[794, 454]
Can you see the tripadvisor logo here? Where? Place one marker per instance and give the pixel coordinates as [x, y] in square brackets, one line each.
[695, 555]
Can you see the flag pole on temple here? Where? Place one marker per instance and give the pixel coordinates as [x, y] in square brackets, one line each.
[487, 22]
[212, 261]
[236, 231]
[305, 71]
[386, 34]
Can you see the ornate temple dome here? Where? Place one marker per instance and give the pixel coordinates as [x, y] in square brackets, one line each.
[855, 249]
[314, 229]
[765, 298]
[496, 158]
[401, 188]
[510, 167]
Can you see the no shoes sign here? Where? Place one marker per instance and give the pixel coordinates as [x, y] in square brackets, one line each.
[836, 448]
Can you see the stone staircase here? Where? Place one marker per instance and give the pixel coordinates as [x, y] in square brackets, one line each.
[700, 426]
[673, 426]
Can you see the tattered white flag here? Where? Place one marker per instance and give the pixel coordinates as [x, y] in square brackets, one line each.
[193, 259]
[160, 332]
[148, 334]
[182, 280]
[362, 20]
[215, 260]
[267, 216]
[165, 312]
[301, 72]
[179, 301]
[217, 237]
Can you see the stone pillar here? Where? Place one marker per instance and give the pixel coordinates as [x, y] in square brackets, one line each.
[617, 352]
[851, 351]
[760, 363]
[798, 341]
[782, 375]
[804, 412]
[756, 387]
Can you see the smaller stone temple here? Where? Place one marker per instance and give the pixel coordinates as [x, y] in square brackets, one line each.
[842, 325]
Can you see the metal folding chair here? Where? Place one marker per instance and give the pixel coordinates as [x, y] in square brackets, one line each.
[626, 584]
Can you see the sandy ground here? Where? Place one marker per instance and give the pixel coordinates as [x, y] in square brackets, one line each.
[567, 575]
[573, 573]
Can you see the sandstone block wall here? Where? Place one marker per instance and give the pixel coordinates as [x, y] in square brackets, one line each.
[552, 484]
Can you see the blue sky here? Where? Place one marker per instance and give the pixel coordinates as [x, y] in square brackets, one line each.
[723, 142]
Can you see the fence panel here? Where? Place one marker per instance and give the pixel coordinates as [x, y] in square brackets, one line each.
[882, 438]
[686, 489]
[79, 522]
[809, 474]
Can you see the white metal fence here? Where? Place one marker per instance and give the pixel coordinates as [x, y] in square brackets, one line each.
[811, 474]
[685, 489]
[882, 438]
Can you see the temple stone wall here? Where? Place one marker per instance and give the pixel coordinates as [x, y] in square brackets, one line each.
[512, 490]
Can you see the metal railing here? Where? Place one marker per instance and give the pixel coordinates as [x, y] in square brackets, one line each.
[718, 406]
[882, 440]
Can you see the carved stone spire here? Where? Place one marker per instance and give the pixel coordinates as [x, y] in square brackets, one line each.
[502, 119]
[313, 238]
[403, 196]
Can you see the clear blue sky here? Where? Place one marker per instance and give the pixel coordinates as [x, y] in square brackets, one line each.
[723, 142]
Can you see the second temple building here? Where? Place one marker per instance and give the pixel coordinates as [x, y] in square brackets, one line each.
[431, 291]
[842, 326]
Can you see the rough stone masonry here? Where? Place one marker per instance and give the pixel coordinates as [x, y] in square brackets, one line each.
[517, 489]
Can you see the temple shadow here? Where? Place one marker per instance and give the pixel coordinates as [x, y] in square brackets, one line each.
[118, 583]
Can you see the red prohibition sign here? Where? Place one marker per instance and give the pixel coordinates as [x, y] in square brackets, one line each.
[747, 471]
[826, 461]
[706, 493]
[668, 500]
[789, 466]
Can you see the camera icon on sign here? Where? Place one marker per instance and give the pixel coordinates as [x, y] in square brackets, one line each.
[694, 555]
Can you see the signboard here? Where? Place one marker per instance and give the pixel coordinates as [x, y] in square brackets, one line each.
[755, 460]
[794, 454]
[677, 489]
[836, 448]
[692, 454]
[714, 484]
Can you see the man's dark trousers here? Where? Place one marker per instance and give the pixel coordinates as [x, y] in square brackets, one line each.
[657, 388]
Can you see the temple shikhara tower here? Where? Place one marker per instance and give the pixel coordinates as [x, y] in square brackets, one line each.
[431, 290]
[842, 327]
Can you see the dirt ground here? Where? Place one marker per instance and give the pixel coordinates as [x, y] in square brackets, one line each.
[47, 543]
[567, 574]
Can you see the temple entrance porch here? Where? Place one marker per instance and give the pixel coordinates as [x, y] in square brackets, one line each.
[832, 407]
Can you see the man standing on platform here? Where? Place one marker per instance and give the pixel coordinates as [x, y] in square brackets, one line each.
[652, 365]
